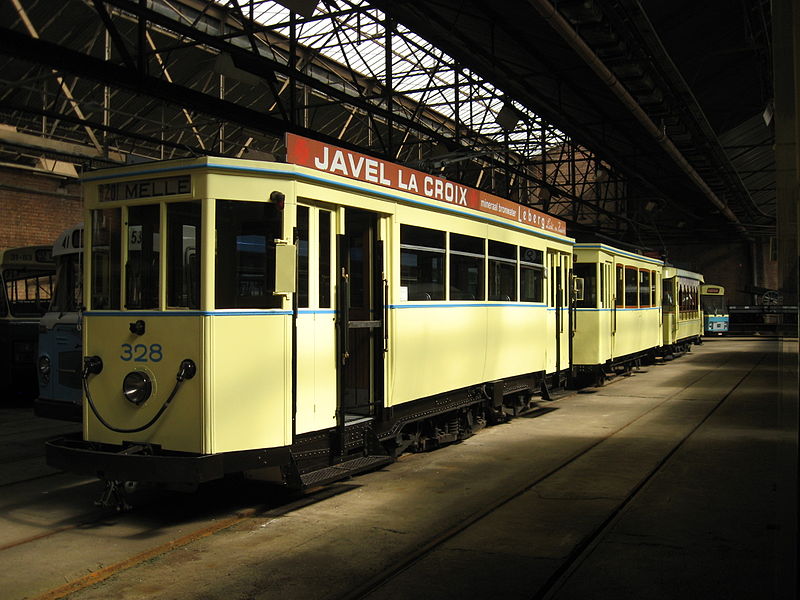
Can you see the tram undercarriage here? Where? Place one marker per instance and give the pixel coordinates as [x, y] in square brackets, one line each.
[317, 458]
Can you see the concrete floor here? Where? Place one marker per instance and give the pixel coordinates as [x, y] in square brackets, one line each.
[676, 483]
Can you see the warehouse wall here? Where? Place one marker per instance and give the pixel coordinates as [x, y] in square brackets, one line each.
[36, 205]
[731, 265]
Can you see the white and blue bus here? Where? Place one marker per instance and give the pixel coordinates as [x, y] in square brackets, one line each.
[60, 342]
[715, 311]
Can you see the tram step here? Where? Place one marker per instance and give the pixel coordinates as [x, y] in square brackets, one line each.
[343, 469]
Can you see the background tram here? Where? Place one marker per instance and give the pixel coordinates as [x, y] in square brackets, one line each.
[60, 338]
[618, 315]
[683, 316]
[286, 321]
[26, 280]
[715, 310]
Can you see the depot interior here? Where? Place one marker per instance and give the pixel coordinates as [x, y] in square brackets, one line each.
[664, 129]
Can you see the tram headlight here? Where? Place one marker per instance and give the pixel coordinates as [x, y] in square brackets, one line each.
[44, 368]
[137, 387]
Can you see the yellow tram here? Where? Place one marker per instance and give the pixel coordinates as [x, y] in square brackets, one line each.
[683, 315]
[617, 313]
[305, 319]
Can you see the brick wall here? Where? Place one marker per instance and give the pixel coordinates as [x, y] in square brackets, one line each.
[36, 207]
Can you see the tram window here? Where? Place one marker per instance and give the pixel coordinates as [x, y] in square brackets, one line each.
[587, 272]
[3, 303]
[631, 287]
[602, 282]
[467, 256]
[713, 305]
[106, 255]
[142, 264]
[422, 254]
[245, 262]
[644, 287]
[28, 292]
[653, 288]
[502, 271]
[324, 259]
[302, 256]
[531, 275]
[667, 299]
[620, 287]
[183, 254]
[67, 289]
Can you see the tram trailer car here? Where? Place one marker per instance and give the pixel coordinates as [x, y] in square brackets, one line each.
[305, 320]
[716, 320]
[682, 313]
[26, 280]
[617, 314]
[60, 339]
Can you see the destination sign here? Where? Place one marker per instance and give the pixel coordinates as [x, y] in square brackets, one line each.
[353, 165]
[29, 255]
[145, 188]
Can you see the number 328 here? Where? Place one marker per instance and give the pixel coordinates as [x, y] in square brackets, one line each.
[142, 353]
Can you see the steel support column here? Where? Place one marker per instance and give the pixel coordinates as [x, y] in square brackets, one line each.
[786, 61]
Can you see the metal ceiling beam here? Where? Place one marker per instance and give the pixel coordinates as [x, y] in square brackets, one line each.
[549, 13]
[268, 64]
[65, 89]
[48, 54]
[107, 129]
[38, 143]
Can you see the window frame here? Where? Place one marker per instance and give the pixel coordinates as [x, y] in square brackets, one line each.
[428, 250]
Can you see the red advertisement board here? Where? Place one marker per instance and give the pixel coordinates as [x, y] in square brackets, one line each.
[339, 161]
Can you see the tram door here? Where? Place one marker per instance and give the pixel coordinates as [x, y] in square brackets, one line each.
[558, 266]
[360, 318]
[608, 314]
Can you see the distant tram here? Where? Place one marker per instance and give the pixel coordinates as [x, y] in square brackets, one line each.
[617, 313]
[60, 337]
[26, 282]
[683, 315]
[715, 310]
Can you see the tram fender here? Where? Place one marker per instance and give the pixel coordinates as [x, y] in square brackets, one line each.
[146, 463]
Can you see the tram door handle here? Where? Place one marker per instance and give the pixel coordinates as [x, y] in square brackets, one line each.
[385, 315]
[614, 318]
[345, 312]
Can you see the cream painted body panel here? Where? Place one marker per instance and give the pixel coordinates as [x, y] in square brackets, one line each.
[554, 327]
[181, 427]
[316, 371]
[515, 344]
[637, 330]
[440, 348]
[434, 350]
[592, 340]
[250, 400]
